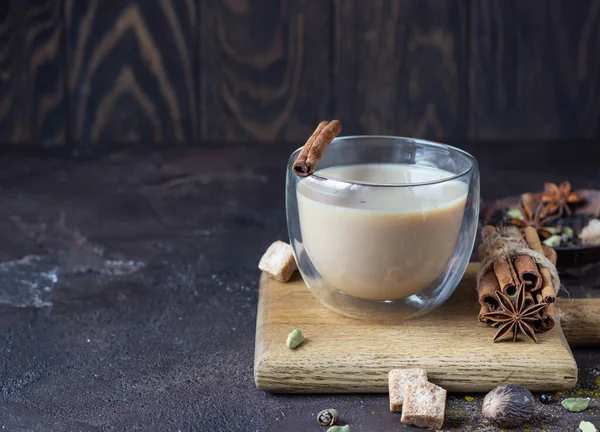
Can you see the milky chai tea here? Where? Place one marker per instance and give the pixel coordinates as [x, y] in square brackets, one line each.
[380, 243]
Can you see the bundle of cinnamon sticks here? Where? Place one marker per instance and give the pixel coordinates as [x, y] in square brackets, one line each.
[509, 270]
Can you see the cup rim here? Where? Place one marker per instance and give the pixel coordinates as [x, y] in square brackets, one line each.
[469, 157]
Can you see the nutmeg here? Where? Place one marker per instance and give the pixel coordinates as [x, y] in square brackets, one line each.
[508, 405]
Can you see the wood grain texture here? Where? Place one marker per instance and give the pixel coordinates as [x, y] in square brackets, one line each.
[265, 68]
[132, 71]
[535, 69]
[580, 321]
[400, 67]
[342, 355]
[32, 106]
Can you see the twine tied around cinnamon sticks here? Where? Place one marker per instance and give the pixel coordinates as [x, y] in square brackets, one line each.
[509, 245]
[509, 260]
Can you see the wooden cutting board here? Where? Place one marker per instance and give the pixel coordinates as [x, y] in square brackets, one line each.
[343, 355]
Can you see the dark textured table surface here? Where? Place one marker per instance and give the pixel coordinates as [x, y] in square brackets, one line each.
[128, 291]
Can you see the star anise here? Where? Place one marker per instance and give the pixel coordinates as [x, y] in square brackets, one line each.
[558, 198]
[515, 317]
[534, 220]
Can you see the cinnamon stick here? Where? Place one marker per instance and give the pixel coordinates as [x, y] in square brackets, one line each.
[547, 291]
[482, 311]
[503, 269]
[529, 300]
[308, 158]
[498, 278]
[528, 272]
[507, 277]
[550, 254]
[488, 285]
[526, 268]
[537, 324]
[548, 320]
[548, 294]
[299, 163]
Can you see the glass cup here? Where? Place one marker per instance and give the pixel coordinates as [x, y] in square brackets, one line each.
[384, 229]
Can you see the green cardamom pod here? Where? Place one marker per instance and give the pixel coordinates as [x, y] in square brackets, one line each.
[294, 339]
[576, 404]
[586, 426]
[515, 213]
[328, 417]
[567, 232]
[553, 241]
[339, 429]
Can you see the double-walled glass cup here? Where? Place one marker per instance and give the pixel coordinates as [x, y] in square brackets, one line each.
[384, 229]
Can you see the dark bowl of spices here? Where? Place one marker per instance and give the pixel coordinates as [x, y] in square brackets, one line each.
[567, 220]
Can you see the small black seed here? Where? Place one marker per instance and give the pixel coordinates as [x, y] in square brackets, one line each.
[325, 418]
[545, 398]
[328, 417]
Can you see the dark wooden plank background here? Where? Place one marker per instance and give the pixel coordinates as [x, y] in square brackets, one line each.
[84, 75]
[400, 67]
[132, 69]
[535, 69]
[265, 68]
[32, 101]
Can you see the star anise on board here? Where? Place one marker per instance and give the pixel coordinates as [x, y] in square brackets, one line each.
[515, 317]
[558, 198]
[534, 219]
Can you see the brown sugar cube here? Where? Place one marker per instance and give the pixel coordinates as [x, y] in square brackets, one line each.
[397, 381]
[424, 405]
[278, 261]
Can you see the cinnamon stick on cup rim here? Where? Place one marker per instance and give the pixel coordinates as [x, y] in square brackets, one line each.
[308, 158]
